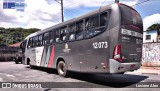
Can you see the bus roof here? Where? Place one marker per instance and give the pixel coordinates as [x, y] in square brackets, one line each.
[31, 35]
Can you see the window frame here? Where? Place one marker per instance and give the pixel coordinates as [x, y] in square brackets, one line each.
[40, 42]
[35, 41]
[45, 39]
[51, 37]
[30, 41]
[99, 27]
[69, 33]
[55, 34]
[107, 18]
[64, 29]
[82, 30]
[148, 36]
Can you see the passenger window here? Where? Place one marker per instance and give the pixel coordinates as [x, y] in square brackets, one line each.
[51, 37]
[94, 21]
[63, 36]
[36, 41]
[71, 32]
[79, 30]
[91, 25]
[33, 40]
[46, 38]
[29, 43]
[40, 43]
[56, 34]
[103, 19]
[87, 24]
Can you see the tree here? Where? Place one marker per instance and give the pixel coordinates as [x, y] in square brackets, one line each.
[154, 27]
[13, 35]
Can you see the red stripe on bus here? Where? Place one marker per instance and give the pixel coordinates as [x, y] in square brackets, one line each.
[51, 58]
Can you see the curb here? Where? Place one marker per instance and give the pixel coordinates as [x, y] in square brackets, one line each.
[155, 68]
[149, 70]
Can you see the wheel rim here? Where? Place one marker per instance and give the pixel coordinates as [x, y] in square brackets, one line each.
[62, 69]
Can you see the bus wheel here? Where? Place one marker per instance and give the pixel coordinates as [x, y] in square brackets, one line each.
[31, 66]
[16, 62]
[121, 73]
[62, 69]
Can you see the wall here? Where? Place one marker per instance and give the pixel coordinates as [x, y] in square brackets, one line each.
[158, 38]
[153, 34]
[151, 54]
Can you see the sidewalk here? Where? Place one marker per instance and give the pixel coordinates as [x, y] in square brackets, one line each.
[149, 70]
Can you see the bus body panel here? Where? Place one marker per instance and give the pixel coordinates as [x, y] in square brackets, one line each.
[39, 51]
[131, 45]
[117, 67]
[130, 35]
[88, 55]
[59, 54]
[31, 55]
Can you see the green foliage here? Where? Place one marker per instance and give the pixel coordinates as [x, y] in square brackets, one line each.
[13, 35]
[154, 27]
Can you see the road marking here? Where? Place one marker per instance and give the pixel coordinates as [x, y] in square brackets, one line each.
[7, 75]
[151, 73]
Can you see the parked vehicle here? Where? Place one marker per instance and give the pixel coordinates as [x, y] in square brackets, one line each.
[107, 40]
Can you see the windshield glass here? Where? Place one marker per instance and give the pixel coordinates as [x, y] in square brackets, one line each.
[130, 17]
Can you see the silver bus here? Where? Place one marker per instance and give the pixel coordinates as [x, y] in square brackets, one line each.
[107, 40]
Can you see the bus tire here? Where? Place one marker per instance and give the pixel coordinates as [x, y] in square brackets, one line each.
[16, 62]
[121, 73]
[62, 69]
[31, 66]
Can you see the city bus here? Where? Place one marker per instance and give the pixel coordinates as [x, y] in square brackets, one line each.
[107, 40]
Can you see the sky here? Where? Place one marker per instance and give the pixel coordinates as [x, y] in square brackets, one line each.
[45, 13]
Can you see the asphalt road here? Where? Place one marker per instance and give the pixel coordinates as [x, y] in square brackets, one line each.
[11, 72]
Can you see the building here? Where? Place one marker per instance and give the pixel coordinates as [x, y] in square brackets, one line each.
[158, 38]
[150, 36]
[11, 52]
[16, 44]
[7, 53]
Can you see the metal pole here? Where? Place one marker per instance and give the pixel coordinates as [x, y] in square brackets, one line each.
[61, 2]
[62, 10]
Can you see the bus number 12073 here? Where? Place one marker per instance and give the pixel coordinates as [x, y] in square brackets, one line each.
[97, 45]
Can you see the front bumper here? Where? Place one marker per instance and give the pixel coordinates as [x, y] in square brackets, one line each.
[117, 67]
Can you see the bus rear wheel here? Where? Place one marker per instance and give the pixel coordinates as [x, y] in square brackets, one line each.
[62, 69]
[121, 73]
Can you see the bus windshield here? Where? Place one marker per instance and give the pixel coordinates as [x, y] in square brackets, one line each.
[130, 17]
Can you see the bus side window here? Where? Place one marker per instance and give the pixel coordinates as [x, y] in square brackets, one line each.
[87, 24]
[24, 46]
[94, 21]
[33, 40]
[29, 43]
[71, 32]
[63, 35]
[91, 25]
[56, 34]
[79, 30]
[103, 19]
[51, 37]
[36, 41]
[40, 40]
[46, 38]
